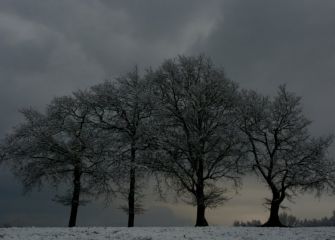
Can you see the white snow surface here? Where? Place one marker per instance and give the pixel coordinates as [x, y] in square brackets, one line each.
[166, 233]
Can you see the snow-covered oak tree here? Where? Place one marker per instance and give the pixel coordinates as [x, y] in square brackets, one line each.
[60, 147]
[282, 151]
[198, 142]
[123, 108]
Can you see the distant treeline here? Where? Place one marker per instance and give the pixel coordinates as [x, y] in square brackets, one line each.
[292, 221]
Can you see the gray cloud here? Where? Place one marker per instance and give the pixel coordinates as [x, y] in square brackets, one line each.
[50, 48]
[263, 44]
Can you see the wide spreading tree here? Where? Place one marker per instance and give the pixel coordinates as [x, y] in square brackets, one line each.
[280, 147]
[61, 148]
[199, 144]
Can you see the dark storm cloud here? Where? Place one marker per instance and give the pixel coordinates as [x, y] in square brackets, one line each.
[50, 48]
[116, 32]
[54, 47]
[263, 44]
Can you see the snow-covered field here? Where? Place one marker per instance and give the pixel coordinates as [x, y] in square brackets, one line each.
[164, 233]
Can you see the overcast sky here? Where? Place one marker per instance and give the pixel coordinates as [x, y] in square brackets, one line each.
[50, 48]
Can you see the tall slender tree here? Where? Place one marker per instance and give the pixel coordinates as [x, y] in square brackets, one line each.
[282, 151]
[123, 109]
[198, 142]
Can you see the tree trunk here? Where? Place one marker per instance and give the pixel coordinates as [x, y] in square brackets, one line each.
[200, 196]
[131, 195]
[75, 197]
[201, 220]
[274, 220]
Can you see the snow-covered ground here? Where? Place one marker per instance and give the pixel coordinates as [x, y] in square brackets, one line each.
[164, 233]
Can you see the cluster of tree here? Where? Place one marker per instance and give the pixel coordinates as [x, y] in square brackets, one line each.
[292, 221]
[184, 122]
[252, 223]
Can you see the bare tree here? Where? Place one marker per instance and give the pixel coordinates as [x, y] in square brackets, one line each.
[123, 109]
[281, 149]
[198, 142]
[60, 147]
